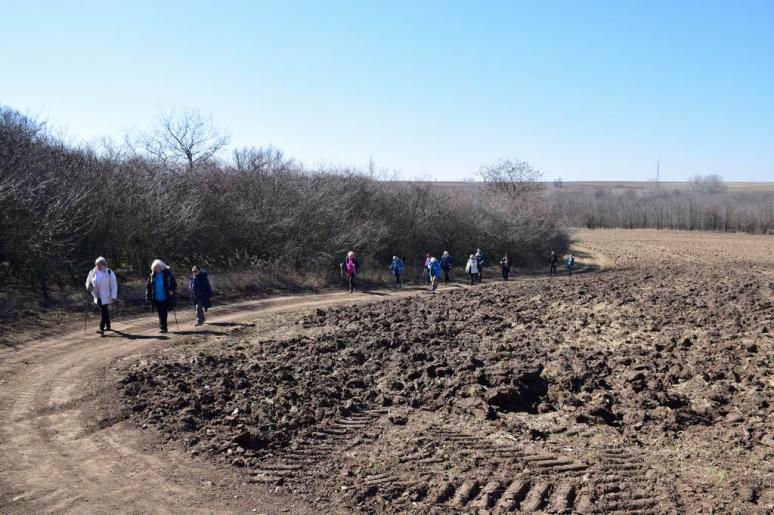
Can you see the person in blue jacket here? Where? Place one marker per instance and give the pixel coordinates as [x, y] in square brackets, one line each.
[160, 291]
[446, 265]
[434, 271]
[396, 267]
[570, 264]
[199, 284]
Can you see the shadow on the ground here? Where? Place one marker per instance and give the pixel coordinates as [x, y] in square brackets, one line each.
[229, 324]
[203, 331]
[130, 336]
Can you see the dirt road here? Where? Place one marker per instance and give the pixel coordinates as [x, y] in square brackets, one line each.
[54, 456]
[60, 453]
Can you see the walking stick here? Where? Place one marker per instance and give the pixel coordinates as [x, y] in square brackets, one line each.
[174, 312]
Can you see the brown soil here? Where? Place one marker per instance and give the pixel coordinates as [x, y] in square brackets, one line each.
[645, 388]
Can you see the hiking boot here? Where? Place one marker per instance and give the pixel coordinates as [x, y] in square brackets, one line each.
[102, 333]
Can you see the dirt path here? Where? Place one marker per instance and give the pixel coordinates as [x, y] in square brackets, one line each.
[53, 458]
[58, 455]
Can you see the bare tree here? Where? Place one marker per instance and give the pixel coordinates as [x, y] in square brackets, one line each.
[188, 139]
[710, 184]
[513, 179]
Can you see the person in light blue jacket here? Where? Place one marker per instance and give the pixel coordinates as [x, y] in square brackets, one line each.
[396, 267]
[570, 264]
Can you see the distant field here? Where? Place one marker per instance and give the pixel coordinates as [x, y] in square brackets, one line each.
[630, 185]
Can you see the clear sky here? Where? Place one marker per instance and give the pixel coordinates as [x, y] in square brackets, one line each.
[583, 90]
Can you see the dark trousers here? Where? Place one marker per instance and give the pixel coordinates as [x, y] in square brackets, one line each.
[104, 321]
[351, 280]
[199, 306]
[474, 277]
[569, 269]
[163, 310]
[397, 280]
[480, 273]
[506, 271]
[552, 269]
[446, 271]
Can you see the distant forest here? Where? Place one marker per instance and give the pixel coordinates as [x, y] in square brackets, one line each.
[174, 194]
[702, 203]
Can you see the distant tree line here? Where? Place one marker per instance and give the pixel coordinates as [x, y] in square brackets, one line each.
[706, 205]
[168, 194]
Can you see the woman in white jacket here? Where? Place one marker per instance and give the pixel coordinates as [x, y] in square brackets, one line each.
[101, 282]
[472, 268]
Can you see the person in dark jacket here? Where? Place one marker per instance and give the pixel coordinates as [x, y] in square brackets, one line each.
[160, 291]
[199, 284]
[446, 265]
[481, 259]
[505, 266]
[552, 262]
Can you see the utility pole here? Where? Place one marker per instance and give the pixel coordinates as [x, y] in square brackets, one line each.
[658, 172]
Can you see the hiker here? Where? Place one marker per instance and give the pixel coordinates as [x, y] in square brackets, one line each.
[472, 268]
[350, 267]
[396, 267]
[434, 272]
[570, 264]
[426, 267]
[446, 265]
[199, 284]
[160, 291]
[552, 262]
[481, 261]
[101, 282]
[505, 266]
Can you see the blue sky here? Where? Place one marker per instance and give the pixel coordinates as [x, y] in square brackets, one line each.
[587, 90]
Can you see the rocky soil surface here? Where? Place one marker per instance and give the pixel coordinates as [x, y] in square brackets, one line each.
[645, 388]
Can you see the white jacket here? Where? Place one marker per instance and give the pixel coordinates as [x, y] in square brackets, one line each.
[472, 266]
[102, 284]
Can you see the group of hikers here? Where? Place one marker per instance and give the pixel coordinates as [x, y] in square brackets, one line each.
[160, 291]
[433, 268]
[161, 286]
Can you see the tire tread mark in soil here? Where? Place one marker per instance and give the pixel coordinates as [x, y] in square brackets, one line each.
[612, 492]
[293, 462]
[500, 495]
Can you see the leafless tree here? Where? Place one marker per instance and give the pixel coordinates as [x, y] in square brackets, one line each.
[187, 138]
[513, 179]
[710, 184]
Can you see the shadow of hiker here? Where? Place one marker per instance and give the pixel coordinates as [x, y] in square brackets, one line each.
[204, 331]
[229, 324]
[140, 336]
